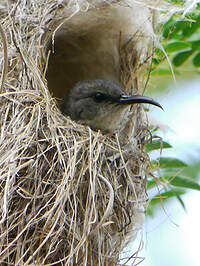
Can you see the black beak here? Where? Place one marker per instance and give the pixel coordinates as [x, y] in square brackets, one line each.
[125, 99]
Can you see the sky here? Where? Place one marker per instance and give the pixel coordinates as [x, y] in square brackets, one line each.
[172, 237]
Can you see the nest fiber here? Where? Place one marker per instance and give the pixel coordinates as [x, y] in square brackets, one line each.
[68, 195]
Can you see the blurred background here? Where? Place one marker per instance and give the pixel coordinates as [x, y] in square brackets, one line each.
[171, 234]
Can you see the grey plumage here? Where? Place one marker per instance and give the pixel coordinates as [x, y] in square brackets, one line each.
[101, 104]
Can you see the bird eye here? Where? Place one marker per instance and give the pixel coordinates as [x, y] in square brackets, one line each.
[99, 97]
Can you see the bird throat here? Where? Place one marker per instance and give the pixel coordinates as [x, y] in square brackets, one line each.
[110, 123]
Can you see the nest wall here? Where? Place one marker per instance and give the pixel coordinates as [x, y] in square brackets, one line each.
[68, 195]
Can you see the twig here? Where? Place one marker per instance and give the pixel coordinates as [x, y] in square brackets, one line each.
[5, 53]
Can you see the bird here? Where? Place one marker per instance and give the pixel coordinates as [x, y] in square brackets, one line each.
[85, 64]
[100, 104]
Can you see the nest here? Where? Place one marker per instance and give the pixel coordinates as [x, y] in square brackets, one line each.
[69, 195]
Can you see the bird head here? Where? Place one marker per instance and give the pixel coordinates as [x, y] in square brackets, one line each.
[100, 104]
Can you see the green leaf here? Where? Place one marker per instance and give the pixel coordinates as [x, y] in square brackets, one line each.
[150, 210]
[196, 60]
[182, 181]
[167, 195]
[168, 27]
[168, 162]
[164, 196]
[195, 45]
[180, 200]
[171, 29]
[159, 52]
[154, 129]
[161, 71]
[151, 183]
[156, 61]
[191, 28]
[177, 1]
[181, 57]
[177, 46]
[193, 171]
[179, 27]
[195, 16]
[156, 145]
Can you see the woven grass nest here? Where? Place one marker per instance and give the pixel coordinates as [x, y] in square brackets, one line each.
[69, 195]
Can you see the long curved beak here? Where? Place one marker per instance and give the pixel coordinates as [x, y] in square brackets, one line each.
[125, 99]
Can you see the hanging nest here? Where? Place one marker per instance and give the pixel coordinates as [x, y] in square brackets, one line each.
[69, 195]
